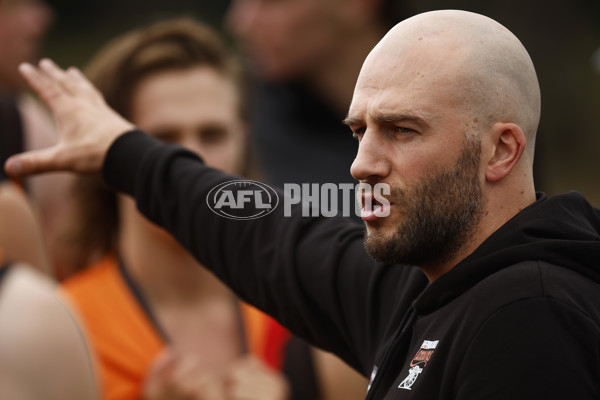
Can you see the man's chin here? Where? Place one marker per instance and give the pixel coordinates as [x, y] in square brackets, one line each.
[379, 245]
[380, 229]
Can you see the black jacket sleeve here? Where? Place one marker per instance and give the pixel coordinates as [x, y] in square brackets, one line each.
[532, 349]
[312, 274]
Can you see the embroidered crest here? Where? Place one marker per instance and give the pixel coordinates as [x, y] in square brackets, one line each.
[418, 362]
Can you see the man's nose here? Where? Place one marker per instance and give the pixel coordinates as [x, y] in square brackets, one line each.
[371, 162]
[193, 143]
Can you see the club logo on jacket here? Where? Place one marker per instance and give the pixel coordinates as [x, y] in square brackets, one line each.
[373, 375]
[418, 362]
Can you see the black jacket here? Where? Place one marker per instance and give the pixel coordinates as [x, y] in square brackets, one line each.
[517, 319]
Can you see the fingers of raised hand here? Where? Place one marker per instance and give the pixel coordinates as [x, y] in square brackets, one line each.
[46, 87]
[86, 124]
[71, 81]
[81, 85]
[54, 85]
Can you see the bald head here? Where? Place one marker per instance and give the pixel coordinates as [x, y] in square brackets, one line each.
[480, 66]
[445, 110]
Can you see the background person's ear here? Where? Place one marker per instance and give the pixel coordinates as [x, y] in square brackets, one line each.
[508, 147]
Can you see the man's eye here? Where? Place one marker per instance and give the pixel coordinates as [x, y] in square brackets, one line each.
[358, 133]
[213, 135]
[400, 130]
[165, 136]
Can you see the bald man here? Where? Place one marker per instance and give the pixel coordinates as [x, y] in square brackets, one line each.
[504, 301]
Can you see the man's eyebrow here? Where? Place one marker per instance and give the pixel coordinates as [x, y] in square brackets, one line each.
[386, 118]
[401, 117]
[352, 121]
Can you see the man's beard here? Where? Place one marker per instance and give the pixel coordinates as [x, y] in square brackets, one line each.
[440, 214]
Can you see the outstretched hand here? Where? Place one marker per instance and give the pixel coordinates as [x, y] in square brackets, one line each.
[86, 125]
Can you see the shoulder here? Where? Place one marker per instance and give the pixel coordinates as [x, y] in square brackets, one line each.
[92, 281]
[112, 315]
[13, 203]
[535, 279]
[100, 296]
[534, 325]
[539, 296]
[30, 298]
[40, 338]
[527, 287]
[20, 234]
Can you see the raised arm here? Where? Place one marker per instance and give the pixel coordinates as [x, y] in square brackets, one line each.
[312, 274]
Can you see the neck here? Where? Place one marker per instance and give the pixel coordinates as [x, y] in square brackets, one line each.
[499, 208]
[435, 270]
[165, 272]
[335, 76]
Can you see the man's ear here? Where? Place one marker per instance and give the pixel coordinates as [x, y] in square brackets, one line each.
[508, 145]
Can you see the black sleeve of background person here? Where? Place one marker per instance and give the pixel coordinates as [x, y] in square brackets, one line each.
[312, 274]
[11, 131]
[299, 368]
[533, 349]
[4, 270]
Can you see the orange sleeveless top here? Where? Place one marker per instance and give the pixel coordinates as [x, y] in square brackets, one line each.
[126, 340]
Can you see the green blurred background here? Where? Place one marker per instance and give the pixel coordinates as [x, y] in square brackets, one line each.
[561, 37]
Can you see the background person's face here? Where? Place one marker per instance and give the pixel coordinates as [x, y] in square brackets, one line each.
[196, 108]
[23, 24]
[284, 39]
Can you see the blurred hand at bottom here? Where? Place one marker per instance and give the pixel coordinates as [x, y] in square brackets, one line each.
[250, 379]
[173, 377]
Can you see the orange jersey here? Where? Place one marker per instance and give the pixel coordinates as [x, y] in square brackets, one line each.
[125, 339]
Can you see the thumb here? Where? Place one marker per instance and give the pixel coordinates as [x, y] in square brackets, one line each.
[80, 157]
[159, 376]
[32, 162]
[164, 364]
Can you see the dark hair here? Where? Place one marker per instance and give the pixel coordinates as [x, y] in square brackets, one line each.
[91, 228]
[394, 11]
[124, 62]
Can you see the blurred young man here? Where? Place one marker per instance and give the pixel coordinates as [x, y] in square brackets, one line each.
[163, 326]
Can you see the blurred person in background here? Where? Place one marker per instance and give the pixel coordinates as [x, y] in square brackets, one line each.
[24, 122]
[43, 353]
[23, 24]
[162, 326]
[20, 236]
[306, 56]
